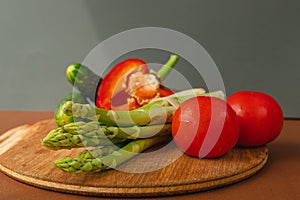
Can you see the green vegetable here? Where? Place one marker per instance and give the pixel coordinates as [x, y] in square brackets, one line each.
[83, 79]
[95, 164]
[166, 69]
[81, 134]
[99, 152]
[61, 139]
[157, 112]
[60, 117]
[120, 118]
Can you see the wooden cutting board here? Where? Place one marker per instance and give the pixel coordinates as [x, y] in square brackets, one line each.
[23, 158]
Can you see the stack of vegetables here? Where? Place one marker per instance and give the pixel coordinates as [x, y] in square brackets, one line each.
[133, 111]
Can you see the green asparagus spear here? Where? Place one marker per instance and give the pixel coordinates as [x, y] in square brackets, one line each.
[94, 129]
[99, 152]
[79, 134]
[78, 165]
[157, 112]
[61, 139]
[157, 115]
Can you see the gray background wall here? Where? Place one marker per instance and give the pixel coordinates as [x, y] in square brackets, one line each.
[255, 44]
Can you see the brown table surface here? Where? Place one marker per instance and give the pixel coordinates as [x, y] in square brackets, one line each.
[279, 179]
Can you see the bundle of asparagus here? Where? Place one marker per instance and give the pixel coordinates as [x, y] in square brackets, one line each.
[116, 136]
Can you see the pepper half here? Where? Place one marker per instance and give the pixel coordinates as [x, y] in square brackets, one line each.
[130, 85]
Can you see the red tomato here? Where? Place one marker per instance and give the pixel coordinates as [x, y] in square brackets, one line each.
[205, 127]
[260, 117]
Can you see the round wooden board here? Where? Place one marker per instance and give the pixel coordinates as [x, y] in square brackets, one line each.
[22, 157]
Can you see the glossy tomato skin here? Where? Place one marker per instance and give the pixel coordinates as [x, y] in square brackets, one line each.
[202, 132]
[260, 117]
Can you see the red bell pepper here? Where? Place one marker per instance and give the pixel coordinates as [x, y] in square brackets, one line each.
[130, 85]
[113, 83]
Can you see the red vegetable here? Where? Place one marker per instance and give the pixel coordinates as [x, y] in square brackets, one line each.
[205, 127]
[260, 117]
[129, 85]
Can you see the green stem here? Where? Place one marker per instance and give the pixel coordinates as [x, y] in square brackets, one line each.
[99, 152]
[166, 69]
[157, 115]
[158, 112]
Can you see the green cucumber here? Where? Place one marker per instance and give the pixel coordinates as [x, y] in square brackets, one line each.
[61, 118]
[84, 80]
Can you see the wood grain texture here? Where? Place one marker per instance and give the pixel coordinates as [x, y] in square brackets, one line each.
[28, 161]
